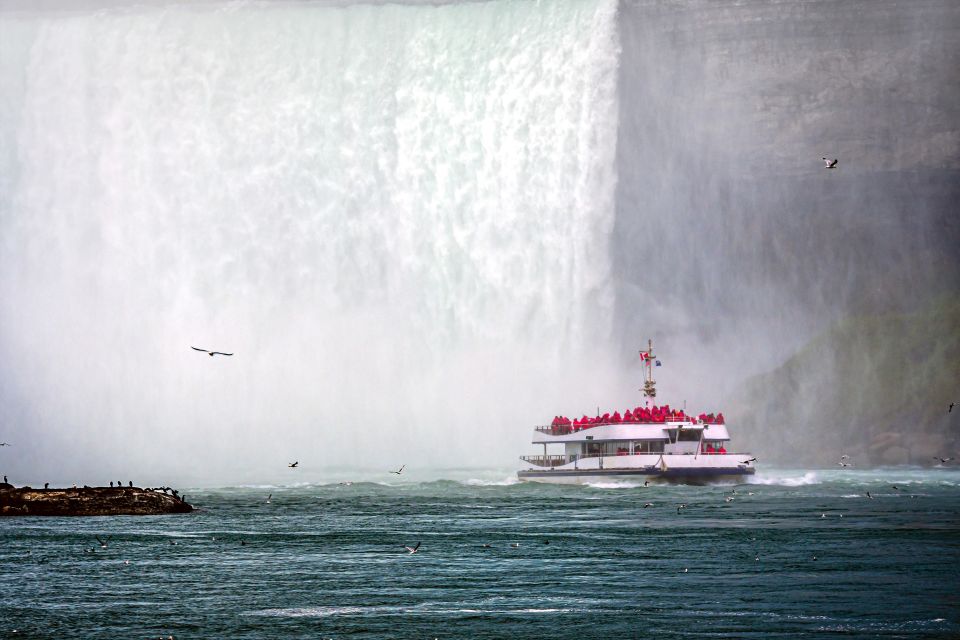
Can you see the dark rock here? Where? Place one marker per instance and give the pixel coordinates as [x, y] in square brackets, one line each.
[96, 501]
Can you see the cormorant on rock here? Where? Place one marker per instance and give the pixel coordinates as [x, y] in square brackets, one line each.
[131, 483]
[5, 480]
[46, 485]
[119, 484]
[111, 484]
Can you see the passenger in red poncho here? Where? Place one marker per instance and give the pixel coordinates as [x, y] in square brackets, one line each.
[722, 450]
[628, 417]
[616, 419]
[720, 418]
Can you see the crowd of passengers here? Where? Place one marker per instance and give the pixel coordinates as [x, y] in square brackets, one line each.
[562, 424]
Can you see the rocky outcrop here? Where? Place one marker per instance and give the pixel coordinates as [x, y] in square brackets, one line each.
[876, 388]
[88, 501]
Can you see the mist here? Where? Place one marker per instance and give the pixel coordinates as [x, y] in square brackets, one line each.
[424, 229]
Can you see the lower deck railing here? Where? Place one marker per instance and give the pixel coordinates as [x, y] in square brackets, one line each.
[560, 460]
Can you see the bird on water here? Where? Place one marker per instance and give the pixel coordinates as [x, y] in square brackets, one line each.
[211, 353]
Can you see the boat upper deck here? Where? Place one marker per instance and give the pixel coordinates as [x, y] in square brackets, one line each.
[626, 431]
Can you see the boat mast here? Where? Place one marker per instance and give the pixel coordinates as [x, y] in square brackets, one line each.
[649, 384]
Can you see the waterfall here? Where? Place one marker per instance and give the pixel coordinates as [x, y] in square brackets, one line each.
[397, 216]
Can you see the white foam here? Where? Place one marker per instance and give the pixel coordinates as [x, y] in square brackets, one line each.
[622, 484]
[786, 481]
[506, 482]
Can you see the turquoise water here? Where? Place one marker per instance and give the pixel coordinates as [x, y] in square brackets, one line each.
[327, 560]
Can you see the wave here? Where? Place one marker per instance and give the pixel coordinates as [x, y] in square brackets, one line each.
[809, 477]
[622, 484]
[506, 482]
[327, 611]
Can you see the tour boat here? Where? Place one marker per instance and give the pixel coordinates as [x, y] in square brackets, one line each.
[648, 442]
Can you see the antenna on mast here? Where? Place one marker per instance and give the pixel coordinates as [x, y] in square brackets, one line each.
[649, 384]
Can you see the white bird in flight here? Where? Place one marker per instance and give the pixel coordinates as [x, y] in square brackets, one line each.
[412, 549]
[829, 164]
[400, 470]
[211, 353]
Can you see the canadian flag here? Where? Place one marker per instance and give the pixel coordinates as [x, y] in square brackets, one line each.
[644, 356]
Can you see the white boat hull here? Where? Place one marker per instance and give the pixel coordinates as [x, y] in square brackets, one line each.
[668, 468]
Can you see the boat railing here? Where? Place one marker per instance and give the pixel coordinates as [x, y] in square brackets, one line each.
[546, 461]
[559, 460]
[567, 429]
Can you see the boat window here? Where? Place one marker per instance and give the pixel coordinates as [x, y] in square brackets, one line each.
[689, 435]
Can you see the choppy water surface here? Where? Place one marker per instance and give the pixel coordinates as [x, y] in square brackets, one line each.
[793, 554]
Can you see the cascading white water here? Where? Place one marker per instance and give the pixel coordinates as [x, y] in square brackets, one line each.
[398, 217]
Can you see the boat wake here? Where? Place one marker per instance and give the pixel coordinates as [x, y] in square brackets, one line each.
[809, 477]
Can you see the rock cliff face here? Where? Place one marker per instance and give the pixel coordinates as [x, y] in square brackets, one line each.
[874, 387]
[92, 501]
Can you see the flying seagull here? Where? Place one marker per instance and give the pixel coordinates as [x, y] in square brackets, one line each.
[869, 496]
[681, 506]
[845, 464]
[211, 353]
[292, 465]
[830, 164]
[942, 460]
[412, 549]
[268, 498]
[7, 444]
[400, 470]
[949, 410]
[749, 461]
[648, 504]
[844, 457]
[103, 543]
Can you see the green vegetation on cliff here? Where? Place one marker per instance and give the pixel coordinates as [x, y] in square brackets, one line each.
[874, 387]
